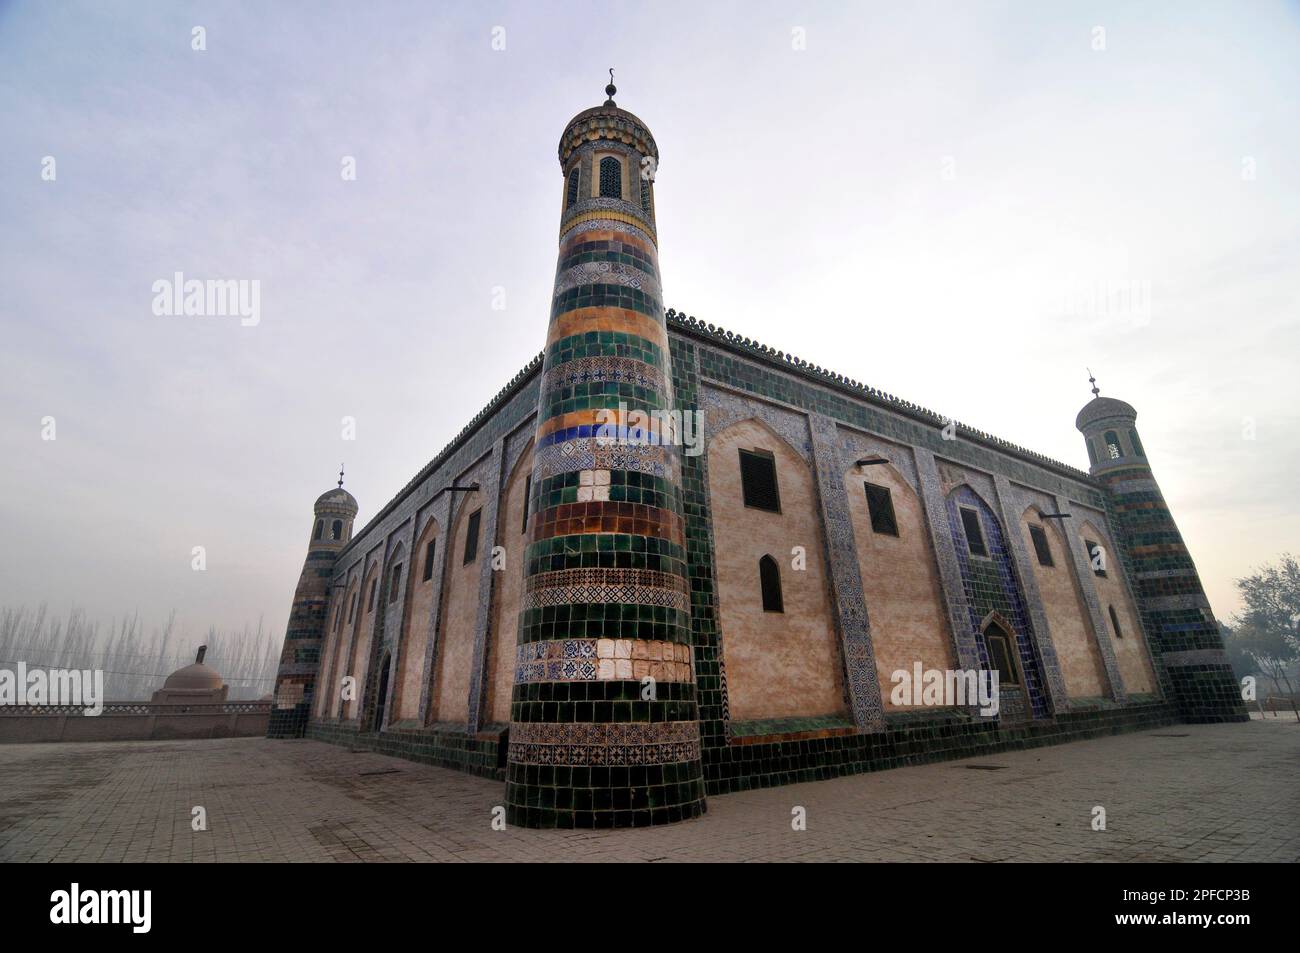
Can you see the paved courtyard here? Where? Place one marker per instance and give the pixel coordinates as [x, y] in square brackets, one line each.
[1186, 793]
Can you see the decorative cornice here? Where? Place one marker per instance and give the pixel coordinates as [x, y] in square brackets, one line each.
[813, 372]
[610, 123]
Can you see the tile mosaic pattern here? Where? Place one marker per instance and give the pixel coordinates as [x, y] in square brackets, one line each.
[1176, 614]
[991, 586]
[861, 680]
[590, 660]
[605, 600]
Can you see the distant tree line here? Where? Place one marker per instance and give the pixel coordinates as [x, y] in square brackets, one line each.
[135, 661]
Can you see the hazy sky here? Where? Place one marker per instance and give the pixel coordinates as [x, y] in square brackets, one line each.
[923, 197]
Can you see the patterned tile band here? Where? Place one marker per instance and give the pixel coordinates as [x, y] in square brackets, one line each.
[606, 601]
[590, 453]
[605, 753]
[632, 733]
[605, 219]
[602, 660]
[596, 370]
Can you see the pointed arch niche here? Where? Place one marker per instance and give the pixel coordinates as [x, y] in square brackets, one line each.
[422, 586]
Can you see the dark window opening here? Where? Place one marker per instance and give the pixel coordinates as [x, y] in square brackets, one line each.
[1114, 621]
[1092, 451]
[1112, 445]
[370, 596]
[1097, 556]
[611, 178]
[881, 506]
[471, 536]
[429, 550]
[1000, 651]
[970, 521]
[645, 194]
[571, 193]
[320, 528]
[336, 529]
[1044, 551]
[352, 606]
[528, 494]
[1135, 443]
[769, 578]
[758, 480]
[396, 588]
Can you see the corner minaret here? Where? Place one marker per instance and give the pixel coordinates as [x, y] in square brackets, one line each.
[604, 728]
[1181, 629]
[295, 680]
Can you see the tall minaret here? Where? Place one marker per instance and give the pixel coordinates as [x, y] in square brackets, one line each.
[295, 680]
[1181, 629]
[604, 728]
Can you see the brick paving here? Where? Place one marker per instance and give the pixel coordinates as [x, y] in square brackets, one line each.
[1186, 793]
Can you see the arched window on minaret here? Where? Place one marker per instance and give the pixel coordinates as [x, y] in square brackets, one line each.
[571, 192]
[336, 529]
[1112, 445]
[769, 578]
[1092, 452]
[611, 178]
[320, 528]
[645, 194]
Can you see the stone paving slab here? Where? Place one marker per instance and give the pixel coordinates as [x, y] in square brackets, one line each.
[1186, 793]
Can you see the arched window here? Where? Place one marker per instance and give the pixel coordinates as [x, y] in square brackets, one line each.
[320, 528]
[336, 530]
[1114, 621]
[571, 191]
[769, 578]
[430, 548]
[1135, 443]
[1112, 445]
[1001, 652]
[1092, 452]
[395, 589]
[645, 194]
[611, 178]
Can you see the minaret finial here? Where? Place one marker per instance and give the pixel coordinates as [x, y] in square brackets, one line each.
[1096, 391]
[340, 476]
[611, 89]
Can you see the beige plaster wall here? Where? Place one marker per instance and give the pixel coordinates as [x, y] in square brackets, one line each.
[509, 589]
[777, 664]
[415, 629]
[1130, 651]
[456, 645]
[1067, 614]
[900, 581]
